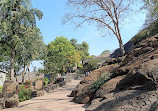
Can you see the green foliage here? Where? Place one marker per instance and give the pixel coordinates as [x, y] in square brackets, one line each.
[24, 94]
[81, 48]
[106, 51]
[93, 63]
[61, 54]
[18, 32]
[79, 71]
[90, 65]
[73, 42]
[152, 29]
[46, 80]
[100, 81]
[152, 7]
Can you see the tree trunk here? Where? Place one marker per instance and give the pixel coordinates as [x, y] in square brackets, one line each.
[23, 75]
[16, 77]
[120, 40]
[121, 46]
[29, 72]
[12, 65]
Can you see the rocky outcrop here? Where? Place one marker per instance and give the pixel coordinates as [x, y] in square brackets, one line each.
[129, 100]
[12, 102]
[82, 93]
[140, 65]
[137, 89]
[108, 87]
[39, 84]
[10, 94]
[151, 30]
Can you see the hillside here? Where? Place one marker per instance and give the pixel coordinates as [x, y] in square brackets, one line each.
[142, 35]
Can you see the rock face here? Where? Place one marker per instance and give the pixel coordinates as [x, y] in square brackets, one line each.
[10, 94]
[144, 34]
[129, 100]
[12, 102]
[134, 84]
[140, 65]
[108, 87]
[82, 93]
[39, 84]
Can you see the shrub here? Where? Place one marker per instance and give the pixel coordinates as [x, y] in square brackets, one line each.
[24, 94]
[46, 80]
[100, 81]
[28, 82]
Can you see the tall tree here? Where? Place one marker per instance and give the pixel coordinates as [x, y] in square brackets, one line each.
[61, 55]
[14, 15]
[33, 48]
[105, 13]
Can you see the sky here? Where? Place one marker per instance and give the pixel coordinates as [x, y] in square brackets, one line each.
[51, 26]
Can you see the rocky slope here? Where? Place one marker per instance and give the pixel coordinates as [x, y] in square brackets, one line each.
[82, 93]
[134, 83]
[142, 35]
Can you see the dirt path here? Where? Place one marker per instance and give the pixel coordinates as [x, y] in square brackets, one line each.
[55, 101]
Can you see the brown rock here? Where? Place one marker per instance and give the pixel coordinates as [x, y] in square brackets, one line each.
[145, 76]
[39, 84]
[12, 102]
[10, 88]
[82, 93]
[130, 100]
[108, 87]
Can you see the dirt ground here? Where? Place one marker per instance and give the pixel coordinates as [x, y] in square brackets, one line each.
[57, 100]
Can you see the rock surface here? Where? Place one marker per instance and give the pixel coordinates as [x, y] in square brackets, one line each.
[108, 87]
[39, 84]
[12, 102]
[130, 100]
[138, 89]
[82, 93]
[10, 94]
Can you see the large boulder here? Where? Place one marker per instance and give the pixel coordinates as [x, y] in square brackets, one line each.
[39, 84]
[9, 89]
[130, 100]
[145, 77]
[108, 87]
[82, 93]
[10, 94]
[12, 102]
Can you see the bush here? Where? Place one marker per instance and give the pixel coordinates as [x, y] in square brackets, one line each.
[24, 94]
[100, 81]
[79, 71]
[46, 80]
[28, 82]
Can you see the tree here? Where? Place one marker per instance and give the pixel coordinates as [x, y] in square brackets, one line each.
[61, 55]
[33, 48]
[104, 52]
[81, 48]
[90, 65]
[152, 7]
[105, 13]
[14, 16]
[73, 42]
